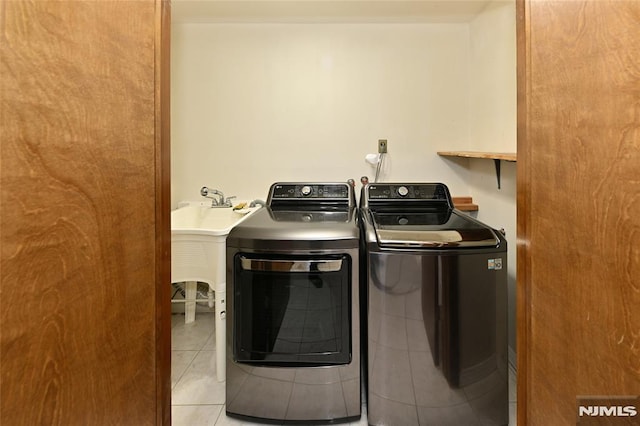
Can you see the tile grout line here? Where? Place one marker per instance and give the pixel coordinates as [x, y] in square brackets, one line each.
[183, 371]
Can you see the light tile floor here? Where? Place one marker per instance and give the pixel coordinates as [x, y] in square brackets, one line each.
[197, 397]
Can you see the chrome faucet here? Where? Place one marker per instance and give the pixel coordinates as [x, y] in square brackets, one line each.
[220, 201]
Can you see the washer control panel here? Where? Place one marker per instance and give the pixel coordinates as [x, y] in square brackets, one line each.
[408, 191]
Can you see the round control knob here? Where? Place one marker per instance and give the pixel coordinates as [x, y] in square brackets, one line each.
[403, 191]
[305, 190]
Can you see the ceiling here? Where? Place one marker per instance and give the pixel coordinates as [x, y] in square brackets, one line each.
[326, 11]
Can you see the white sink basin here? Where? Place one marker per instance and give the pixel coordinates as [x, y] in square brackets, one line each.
[212, 221]
[198, 238]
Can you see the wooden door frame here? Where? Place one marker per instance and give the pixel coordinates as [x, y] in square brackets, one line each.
[163, 165]
[163, 211]
[522, 197]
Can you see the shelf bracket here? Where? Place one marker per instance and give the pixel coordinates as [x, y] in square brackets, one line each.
[497, 164]
[495, 156]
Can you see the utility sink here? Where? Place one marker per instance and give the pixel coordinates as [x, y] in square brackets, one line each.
[198, 254]
[214, 221]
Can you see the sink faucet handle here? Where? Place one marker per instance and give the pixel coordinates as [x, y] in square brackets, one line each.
[228, 202]
[211, 193]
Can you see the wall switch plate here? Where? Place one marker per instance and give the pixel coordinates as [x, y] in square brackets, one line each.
[382, 146]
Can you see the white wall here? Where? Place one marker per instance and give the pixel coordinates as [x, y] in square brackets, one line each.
[253, 104]
[493, 127]
[492, 86]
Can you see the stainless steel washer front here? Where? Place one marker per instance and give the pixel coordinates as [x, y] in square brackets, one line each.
[436, 310]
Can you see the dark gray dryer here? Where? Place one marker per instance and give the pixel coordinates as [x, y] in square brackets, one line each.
[293, 352]
[436, 310]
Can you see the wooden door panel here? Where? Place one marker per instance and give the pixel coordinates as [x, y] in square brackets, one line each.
[78, 213]
[579, 193]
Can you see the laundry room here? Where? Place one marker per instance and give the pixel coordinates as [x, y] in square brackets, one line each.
[302, 91]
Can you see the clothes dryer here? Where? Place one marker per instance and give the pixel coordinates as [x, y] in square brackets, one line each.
[293, 329]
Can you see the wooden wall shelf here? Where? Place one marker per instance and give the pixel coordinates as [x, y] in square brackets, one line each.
[495, 156]
[506, 156]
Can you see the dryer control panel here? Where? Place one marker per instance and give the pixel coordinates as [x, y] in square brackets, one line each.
[311, 192]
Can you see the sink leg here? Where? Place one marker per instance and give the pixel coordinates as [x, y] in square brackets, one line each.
[221, 335]
[221, 310]
[191, 288]
[210, 296]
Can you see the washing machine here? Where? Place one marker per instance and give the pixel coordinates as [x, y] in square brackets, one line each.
[436, 312]
[293, 329]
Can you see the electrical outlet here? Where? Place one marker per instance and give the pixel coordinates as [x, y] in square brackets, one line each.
[382, 146]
